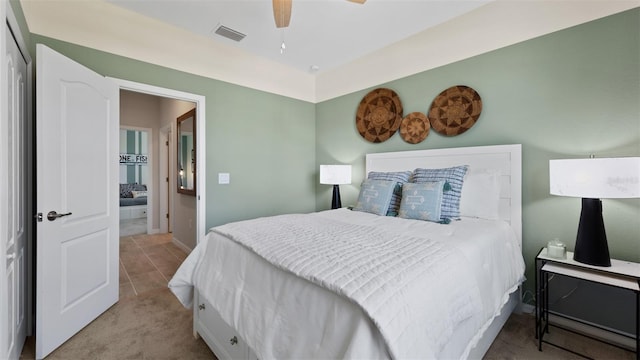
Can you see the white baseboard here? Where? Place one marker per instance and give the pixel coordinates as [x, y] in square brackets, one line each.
[181, 245]
[527, 309]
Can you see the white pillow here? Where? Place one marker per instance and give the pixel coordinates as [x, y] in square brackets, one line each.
[137, 194]
[481, 194]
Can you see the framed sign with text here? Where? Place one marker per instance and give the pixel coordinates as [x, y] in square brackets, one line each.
[133, 159]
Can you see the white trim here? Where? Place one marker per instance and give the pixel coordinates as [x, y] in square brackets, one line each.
[492, 26]
[13, 24]
[181, 245]
[164, 134]
[4, 166]
[200, 141]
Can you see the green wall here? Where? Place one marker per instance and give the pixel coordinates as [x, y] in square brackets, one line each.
[568, 94]
[265, 141]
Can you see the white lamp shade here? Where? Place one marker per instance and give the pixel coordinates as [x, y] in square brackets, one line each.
[335, 174]
[599, 178]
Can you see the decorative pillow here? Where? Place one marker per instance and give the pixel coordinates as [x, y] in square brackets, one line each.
[137, 194]
[375, 196]
[125, 190]
[481, 194]
[451, 199]
[139, 187]
[401, 177]
[422, 201]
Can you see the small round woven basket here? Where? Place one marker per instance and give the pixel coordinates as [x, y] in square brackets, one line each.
[414, 128]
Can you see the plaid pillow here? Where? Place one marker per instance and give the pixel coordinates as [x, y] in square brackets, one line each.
[451, 199]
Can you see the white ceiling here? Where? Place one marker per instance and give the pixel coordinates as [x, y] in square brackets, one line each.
[322, 33]
[355, 46]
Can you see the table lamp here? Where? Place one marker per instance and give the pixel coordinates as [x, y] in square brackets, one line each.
[593, 179]
[335, 175]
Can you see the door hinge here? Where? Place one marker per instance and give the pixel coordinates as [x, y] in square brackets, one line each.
[166, 143]
[167, 179]
[167, 216]
[38, 217]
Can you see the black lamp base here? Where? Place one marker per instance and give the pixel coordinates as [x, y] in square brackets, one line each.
[336, 203]
[591, 243]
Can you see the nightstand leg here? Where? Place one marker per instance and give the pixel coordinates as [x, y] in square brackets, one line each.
[537, 301]
[638, 323]
[546, 302]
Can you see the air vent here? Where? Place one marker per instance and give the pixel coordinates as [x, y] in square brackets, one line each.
[229, 33]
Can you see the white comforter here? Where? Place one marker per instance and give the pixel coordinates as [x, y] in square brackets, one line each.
[428, 289]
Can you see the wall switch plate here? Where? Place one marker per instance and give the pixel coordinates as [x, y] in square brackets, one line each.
[224, 178]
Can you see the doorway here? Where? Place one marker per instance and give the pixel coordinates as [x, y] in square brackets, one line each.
[67, 300]
[149, 257]
[135, 171]
[200, 105]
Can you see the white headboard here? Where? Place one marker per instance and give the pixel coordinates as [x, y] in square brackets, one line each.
[505, 158]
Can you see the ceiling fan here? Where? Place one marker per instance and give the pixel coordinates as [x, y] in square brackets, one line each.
[282, 11]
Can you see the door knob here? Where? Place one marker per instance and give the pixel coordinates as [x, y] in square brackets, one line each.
[52, 215]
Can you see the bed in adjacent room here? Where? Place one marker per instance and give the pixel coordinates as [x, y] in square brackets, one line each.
[133, 201]
[437, 278]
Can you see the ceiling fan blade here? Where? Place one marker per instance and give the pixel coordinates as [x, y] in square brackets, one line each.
[358, 1]
[282, 12]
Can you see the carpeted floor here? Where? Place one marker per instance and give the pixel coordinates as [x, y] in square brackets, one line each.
[517, 341]
[149, 323]
[155, 326]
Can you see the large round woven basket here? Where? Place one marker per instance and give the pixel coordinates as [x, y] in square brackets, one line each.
[455, 110]
[379, 115]
[414, 128]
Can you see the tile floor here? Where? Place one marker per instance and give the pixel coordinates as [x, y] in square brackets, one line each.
[147, 262]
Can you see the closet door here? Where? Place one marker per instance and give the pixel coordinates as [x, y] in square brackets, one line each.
[15, 240]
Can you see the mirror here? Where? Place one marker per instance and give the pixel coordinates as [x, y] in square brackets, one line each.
[186, 146]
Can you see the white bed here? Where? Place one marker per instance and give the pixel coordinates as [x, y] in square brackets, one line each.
[250, 302]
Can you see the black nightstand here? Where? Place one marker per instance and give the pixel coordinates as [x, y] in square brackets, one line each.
[621, 274]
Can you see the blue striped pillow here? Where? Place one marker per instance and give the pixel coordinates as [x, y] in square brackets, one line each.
[451, 199]
[401, 177]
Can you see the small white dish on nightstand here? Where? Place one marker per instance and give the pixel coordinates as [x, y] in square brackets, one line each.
[556, 249]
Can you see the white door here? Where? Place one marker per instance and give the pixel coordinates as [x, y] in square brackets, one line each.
[77, 178]
[15, 241]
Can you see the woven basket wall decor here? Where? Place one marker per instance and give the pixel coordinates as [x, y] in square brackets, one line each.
[379, 115]
[455, 110]
[414, 128]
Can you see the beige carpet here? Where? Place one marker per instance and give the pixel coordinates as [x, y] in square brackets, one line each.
[155, 326]
[517, 341]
